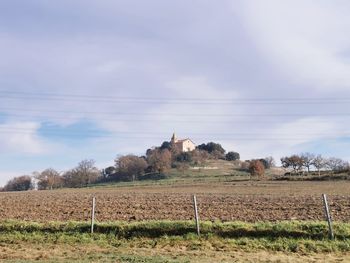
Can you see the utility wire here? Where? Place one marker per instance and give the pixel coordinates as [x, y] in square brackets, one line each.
[49, 119]
[199, 138]
[15, 95]
[55, 131]
[149, 135]
[97, 113]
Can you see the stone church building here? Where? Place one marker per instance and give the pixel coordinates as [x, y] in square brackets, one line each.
[183, 145]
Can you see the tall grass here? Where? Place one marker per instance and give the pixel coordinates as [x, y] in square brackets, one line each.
[122, 229]
[301, 237]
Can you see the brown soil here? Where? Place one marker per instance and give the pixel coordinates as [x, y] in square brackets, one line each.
[26, 252]
[246, 201]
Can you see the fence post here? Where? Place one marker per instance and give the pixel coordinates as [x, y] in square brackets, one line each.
[196, 214]
[93, 214]
[328, 217]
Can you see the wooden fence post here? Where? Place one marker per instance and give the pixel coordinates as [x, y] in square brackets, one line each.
[328, 217]
[196, 214]
[93, 214]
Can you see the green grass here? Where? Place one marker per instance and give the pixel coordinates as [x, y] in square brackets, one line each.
[164, 241]
[158, 229]
[297, 229]
[226, 172]
[175, 177]
[189, 241]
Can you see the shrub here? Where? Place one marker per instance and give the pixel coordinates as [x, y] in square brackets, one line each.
[214, 149]
[256, 168]
[232, 156]
[21, 183]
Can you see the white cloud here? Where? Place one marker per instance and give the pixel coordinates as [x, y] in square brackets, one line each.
[305, 40]
[287, 138]
[202, 116]
[305, 130]
[21, 137]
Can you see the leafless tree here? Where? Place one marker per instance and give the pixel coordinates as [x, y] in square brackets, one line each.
[295, 162]
[270, 162]
[336, 164]
[160, 160]
[85, 173]
[131, 166]
[319, 163]
[49, 179]
[307, 159]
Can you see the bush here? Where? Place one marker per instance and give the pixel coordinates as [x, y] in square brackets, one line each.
[21, 183]
[268, 162]
[214, 149]
[159, 160]
[232, 156]
[256, 168]
[166, 145]
[184, 157]
[153, 176]
[131, 165]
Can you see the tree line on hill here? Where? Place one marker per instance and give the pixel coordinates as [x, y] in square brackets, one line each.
[303, 163]
[83, 174]
[159, 160]
[154, 165]
[300, 164]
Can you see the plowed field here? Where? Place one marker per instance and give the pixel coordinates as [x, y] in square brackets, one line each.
[245, 201]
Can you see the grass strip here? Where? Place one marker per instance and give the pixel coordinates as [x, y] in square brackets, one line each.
[152, 229]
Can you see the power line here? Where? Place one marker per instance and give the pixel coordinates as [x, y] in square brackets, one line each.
[54, 130]
[15, 95]
[259, 122]
[163, 121]
[151, 135]
[12, 109]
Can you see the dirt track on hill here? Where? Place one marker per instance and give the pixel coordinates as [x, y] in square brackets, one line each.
[245, 201]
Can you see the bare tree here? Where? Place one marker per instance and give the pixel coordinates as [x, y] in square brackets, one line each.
[295, 162]
[336, 164]
[270, 162]
[49, 179]
[307, 159]
[131, 165]
[160, 160]
[85, 173]
[319, 163]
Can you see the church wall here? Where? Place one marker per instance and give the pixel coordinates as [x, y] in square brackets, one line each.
[187, 146]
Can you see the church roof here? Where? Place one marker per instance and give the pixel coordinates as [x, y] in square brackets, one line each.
[187, 139]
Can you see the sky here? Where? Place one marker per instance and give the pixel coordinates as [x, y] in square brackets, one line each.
[94, 79]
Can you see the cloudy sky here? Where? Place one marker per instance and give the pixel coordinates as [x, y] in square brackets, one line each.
[97, 78]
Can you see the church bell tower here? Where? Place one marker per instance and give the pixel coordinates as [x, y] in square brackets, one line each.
[173, 138]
